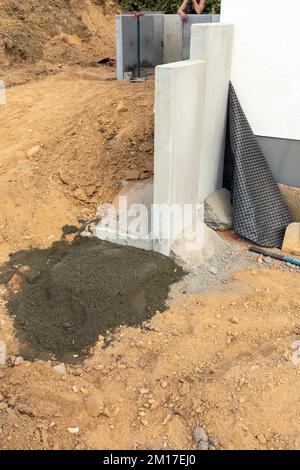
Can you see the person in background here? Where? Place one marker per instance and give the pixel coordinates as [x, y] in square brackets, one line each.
[190, 7]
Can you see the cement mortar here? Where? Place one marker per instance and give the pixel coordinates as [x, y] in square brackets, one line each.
[70, 294]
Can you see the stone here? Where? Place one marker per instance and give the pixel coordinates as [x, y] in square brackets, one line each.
[80, 194]
[132, 175]
[218, 210]
[261, 439]
[18, 361]
[144, 391]
[234, 320]
[33, 151]
[111, 411]
[211, 245]
[2, 352]
[91, 190]
[73, 430]
[15, 284]
[122, 108]
[60, 368]
[201, 438]
[291, 242]
[213, 270]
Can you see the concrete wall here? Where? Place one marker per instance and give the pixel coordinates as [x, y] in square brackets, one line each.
[266, 64]
[178, 122]
[190, 120]
[213, 44]
[151, 27]
[266, 77]
[164, 39]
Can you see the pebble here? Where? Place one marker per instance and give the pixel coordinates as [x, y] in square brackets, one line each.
[261, 439]
[201, 438]
[61, 368]
[164, 384]
[234, 320]
[121, 108]
[2, 352]
[111, 411]
[144, 391]
[18, 361]
[33, 151]
[213, 270]
[73, 430]
[260, 259]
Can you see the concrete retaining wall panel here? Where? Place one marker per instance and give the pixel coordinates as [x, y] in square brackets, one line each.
[213, 44]
[178, 120]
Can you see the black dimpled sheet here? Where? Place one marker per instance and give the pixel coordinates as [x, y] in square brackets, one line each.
[260, 212]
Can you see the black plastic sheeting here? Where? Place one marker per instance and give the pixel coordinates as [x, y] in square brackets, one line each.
[260, 212]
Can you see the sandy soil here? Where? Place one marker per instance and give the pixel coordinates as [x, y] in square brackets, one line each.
[220, 359]
[67, 143]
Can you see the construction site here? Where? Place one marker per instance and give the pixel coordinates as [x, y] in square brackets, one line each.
[120, 335]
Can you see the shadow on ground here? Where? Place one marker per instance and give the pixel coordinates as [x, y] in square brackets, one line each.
[63, 297]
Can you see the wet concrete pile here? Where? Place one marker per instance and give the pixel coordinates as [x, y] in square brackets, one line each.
[69, 294]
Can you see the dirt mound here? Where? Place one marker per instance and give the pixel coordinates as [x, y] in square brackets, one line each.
[63, 297]
[45, 32]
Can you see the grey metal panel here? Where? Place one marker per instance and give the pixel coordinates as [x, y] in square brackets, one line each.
[283, 156]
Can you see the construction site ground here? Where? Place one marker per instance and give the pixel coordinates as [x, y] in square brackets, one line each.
[218, 355]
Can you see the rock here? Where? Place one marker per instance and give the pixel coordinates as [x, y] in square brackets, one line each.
[80, 194]
[90, 190]
[73, 430]
[95, 405]
[218, 211]
[2, 352]
[261, 439]
[33, 151]
[111, 411]
[260, 259]
[15, 284]
[208, 246]
[18, 361]
[213, 270]
[291, 242]
[268, 260]
[61, 368]
[201, 438]
[234, 320]
[164, 384]
[144, 391]
[122, 108]
[132, 175]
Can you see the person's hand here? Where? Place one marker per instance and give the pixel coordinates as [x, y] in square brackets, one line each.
[182, 15]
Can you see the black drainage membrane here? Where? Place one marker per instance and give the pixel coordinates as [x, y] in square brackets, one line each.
[260, 212]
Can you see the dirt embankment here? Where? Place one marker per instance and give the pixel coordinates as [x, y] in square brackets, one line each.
[67, 143]
[43, 35]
